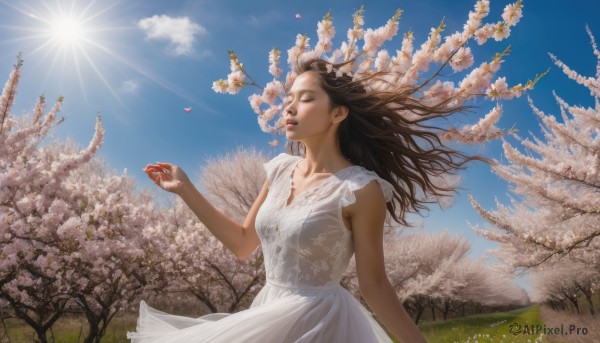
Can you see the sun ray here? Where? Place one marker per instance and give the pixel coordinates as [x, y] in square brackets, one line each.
[101, 76]
[67, 38]
[79, 76]
[155, 78]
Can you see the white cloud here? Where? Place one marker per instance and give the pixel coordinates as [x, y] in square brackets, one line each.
[179, 32]
[130, 86]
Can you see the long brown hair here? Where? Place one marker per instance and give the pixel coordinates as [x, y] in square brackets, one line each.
[400, 149]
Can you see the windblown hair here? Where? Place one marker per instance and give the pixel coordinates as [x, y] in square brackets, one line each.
[400, 149]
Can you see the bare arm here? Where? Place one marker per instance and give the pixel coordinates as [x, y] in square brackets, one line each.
[367, 217]
[241, 239]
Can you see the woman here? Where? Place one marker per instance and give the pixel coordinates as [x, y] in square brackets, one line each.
[314, 212]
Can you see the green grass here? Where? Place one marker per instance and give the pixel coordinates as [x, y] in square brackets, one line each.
[70, 330]
[490, 327]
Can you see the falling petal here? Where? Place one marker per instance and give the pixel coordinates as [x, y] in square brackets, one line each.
[274, 142]
[298, 16]
[188, 109]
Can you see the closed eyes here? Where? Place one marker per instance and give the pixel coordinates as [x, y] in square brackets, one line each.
[288, 102]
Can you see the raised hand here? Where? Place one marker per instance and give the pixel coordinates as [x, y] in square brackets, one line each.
[168, 176]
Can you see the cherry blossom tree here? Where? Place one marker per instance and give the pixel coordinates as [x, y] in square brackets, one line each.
[72, 234]
[35, 216]
[564, 282]
[432, 270]
[112, 248]
[199, 263]
[558, 182]
[408, 66]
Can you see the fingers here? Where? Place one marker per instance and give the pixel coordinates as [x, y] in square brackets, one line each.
[153, 168]
[153, 172]
[159, 168]
[167, 166]
[153, 175]
[159, 172]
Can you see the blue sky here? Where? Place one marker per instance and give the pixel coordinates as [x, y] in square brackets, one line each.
[140, 85]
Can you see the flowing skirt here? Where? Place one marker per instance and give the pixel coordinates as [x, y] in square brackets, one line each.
[278, 313]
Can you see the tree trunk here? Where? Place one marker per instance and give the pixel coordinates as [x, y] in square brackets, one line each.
[420, 310]
[92, 334]
[446, 309]
[588, 296]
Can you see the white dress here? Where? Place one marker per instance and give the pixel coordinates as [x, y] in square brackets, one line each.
[306, 250]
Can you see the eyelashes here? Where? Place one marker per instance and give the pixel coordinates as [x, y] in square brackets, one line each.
[288, 102]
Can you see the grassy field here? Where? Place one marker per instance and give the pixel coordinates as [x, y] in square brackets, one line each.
[69, 330]
[491, 327]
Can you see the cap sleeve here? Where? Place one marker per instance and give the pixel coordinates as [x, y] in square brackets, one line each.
[359, 180]
[273, 166]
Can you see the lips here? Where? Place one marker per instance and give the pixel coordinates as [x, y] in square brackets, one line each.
[292, 122]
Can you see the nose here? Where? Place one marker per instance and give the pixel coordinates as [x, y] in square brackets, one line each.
[289, 108]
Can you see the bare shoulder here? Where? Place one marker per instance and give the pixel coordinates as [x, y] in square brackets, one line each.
[368, 209]
[368, 198]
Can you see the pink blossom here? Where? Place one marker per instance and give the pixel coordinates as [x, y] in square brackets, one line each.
[554, 182]
[439, 92]
[421, 59]
[220, 86]
[325, 32]
[8, 93]
[462, 59]
[255, 102]
[407, 65]
[271, 112]
[382, 61]
[455, 39]
[355, 34]
[372, 42]
[272, 91]
[498, 89]
[484, 33]
[443, 52]
[25, 205]
[58, 207]
[264, 124]
[234, 65]
[486, 124]
[502, 31]
[512, 14]
[274, 56]
[235, 81]
[293, 55]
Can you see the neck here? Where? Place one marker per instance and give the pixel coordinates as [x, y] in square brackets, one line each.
[323, 155]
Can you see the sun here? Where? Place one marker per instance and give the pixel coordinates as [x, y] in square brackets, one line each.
[77, 43]
[67, 31]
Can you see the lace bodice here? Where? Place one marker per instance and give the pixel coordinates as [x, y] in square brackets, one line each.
[306, 243]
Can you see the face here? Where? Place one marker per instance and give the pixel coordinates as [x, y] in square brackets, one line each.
[309, 107]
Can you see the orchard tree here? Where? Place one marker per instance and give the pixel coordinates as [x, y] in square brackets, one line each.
[559, 185]
[35, 213]
[564, 282]
[72, 234]
[432, 271]
[199, 263]
[110, 247]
